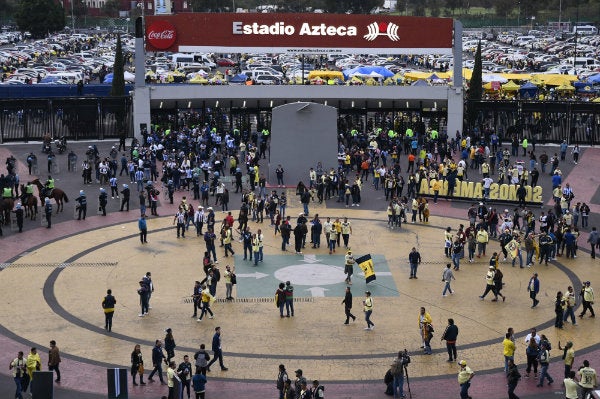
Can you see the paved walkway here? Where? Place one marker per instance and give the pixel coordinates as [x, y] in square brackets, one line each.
[66, 270]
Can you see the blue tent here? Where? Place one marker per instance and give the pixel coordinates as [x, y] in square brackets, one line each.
[420, 82]
[241, 78]
[528, 90]
[108, 78]
[594, 78]
[366, 70]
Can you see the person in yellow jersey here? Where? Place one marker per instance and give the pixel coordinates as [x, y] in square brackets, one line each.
[368, 307]
[349, 266]
[568, 356]
[465, 375]
[337, 230]
[424, 319]
[172, 379]
[508, 351]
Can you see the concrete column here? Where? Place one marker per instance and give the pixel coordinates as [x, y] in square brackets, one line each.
[141, 110]
[455, 91]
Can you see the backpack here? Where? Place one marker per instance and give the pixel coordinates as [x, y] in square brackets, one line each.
[396, 368]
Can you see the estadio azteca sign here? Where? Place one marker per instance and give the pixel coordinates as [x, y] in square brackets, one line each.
[298, 33]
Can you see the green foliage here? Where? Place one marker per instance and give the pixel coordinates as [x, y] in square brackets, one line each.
[356, 6]
[118, 83]
[40, 17]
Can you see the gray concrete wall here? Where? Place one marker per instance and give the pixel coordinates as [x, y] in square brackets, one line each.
[302, 134]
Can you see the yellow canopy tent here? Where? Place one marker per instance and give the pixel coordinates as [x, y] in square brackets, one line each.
[536, 80]
[596, 100]
[565, 87]
[558, 80]
[440, 75]
[326, 75]
[371, 82]
[510, 86]
[415, 75]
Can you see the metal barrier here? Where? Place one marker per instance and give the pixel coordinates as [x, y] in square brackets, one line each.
[73, 118]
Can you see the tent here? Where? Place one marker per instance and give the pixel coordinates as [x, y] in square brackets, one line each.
[492, 86]
[241, 78]
[492, 77]
[586, 90]
[537, 80]
[528, 90]
[366, 71]
[326, 74]
[594, 78]
[420, 82]
[565, 87]
[510, 86]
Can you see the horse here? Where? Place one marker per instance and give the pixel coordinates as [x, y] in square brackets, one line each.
[31, 208]
[58, 195]
[6, 206]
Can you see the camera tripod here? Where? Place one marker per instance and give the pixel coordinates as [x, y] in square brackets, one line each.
[407, 381]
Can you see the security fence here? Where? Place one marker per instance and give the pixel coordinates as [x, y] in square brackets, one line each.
[74, 118]
[547, 122]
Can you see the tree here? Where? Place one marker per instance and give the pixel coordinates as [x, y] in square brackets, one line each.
[40, 17]
[475, 86]
[118, 83]
[356, 6]
[504, 7]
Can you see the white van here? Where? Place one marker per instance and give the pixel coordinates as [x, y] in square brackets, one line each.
[181, 58]
[582, 62]
[585, 30]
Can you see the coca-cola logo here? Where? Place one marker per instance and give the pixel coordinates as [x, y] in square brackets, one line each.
[161, 35]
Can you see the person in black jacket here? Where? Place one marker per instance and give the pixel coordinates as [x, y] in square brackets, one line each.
[450, 335]
[347, 302]
[108, 304]
[158, 357]
[82, 207]
[126, 193]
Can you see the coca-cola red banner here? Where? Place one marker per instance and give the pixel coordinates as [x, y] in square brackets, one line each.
[298, 33]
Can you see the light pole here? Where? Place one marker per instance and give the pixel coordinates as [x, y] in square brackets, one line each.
[560, 16]
[519, 15]
[72, 17]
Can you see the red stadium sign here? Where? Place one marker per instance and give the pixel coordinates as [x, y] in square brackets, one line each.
[161, 35]
[298, 33]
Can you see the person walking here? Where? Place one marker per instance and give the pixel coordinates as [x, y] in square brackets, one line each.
[465, 375]
[158, 357]
[534, 287]
[108, 304]
[587, 299]
[368, 308]
[19, 370]
[544, 359]
[347, 302]
[569, 305]
[143, 228]
[205, 299]
[414, 258]
[125, 200]
[217, 350]
[137, 365]
[282, 377]
[447, 277]
[201, 358]
[54, 359]
[450, 335]
[179, 220]
[346, 231]
[490, 286]
[513, 377]
[169, 344]
[349, 267]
